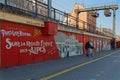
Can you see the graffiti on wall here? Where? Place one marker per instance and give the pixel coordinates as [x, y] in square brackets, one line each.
[14, 33]
[102, 44]
[25, 46]
[34, 47]
[106, 45]
[97, 44]
[67, 45]
[94, 43]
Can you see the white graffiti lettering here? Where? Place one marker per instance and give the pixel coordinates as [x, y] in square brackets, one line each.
[27, 43]
[11, 44]
[22, 44]
[14, 33]
[23, 50]
[43, 43]
[29, 46]
[36, 50]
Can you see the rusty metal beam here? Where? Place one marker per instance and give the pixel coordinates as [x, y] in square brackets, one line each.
[113, 7]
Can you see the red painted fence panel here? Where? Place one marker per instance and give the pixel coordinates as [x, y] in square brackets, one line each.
[23, 44]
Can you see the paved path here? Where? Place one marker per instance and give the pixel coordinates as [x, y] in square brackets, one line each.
[37, 71]
[103, 68]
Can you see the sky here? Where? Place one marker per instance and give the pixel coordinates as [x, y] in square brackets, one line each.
[67, 5]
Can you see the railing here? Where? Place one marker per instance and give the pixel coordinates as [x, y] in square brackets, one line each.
[37, 9]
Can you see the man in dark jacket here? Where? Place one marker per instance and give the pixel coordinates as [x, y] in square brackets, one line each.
[88, 46]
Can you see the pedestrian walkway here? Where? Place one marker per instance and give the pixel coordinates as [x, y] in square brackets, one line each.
[38, 70]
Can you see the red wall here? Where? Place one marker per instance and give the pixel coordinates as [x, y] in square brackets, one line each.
[94, 43]
[118, 44]
[0, 44]
[22, 44]
[86, 39]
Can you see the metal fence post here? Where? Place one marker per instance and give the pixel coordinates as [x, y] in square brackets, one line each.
[77, 20]
[67, 19]
[54, 14]
[49, 8]
[36, 8]
[5, 2]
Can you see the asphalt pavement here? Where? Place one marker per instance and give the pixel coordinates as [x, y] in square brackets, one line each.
[39, 71]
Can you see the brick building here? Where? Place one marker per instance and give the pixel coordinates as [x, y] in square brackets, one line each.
[87, 21]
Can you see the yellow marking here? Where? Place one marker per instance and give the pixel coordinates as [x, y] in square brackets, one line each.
[75, 67]
[37, 32]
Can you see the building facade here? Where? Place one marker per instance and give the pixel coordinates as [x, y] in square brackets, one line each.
[105, 31]
[86, 20]
[29, 5]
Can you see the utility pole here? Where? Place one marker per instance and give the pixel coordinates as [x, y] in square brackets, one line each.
[114, 29]
[49, 2]
[114, 23]
[5, 2]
